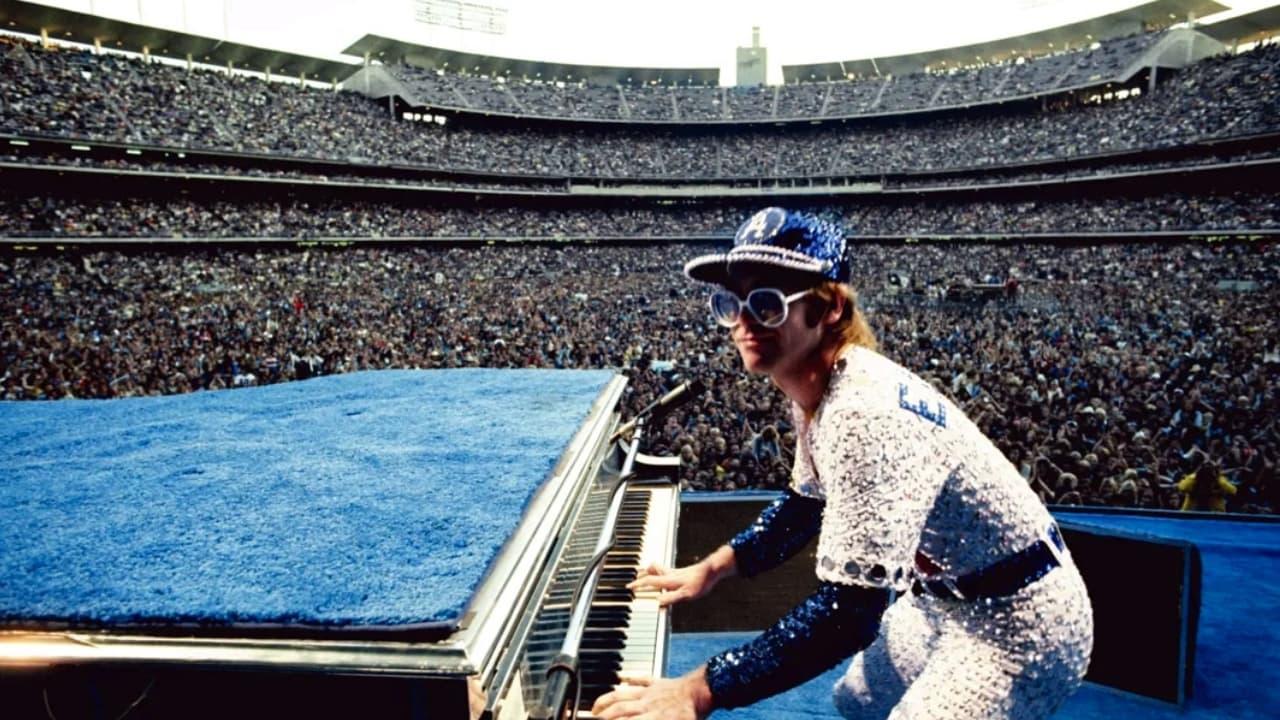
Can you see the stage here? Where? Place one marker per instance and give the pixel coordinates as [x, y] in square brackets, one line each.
[1237, 664]
[366, 505]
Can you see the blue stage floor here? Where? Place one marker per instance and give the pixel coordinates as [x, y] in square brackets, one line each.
[1237, 671]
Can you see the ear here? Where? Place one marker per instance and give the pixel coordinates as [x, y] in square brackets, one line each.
[834, 310]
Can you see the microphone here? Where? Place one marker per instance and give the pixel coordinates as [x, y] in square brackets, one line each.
[659, 408]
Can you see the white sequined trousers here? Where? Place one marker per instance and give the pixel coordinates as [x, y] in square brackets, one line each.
[1017, 657]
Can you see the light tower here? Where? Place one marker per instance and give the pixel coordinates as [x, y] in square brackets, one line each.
[751, 61]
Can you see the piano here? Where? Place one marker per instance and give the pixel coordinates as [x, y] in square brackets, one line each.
[550, 627]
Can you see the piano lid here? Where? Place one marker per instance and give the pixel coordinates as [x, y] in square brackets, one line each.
[196, 528]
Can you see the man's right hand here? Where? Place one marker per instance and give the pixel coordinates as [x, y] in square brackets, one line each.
[686, 583]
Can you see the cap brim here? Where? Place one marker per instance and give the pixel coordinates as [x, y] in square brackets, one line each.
[718, 267]
[707, 268]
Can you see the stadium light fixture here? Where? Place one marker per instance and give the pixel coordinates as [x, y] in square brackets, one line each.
[132, 151]
[20, 143]
[81, 148]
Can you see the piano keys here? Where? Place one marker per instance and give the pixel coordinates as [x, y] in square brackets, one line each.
[626, 633]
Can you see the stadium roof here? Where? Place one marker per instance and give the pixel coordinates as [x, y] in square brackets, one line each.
[1245, 27]
[68, 25]
[390, 51]
[1158, 13]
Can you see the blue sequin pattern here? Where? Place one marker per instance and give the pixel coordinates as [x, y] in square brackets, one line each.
[782, 530]
[806, 234]
[829, 626]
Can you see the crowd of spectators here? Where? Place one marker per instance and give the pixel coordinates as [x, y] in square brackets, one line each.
[1108, 374]
[1013, 175]
[76, 94]
[1018, 76]
[312, 175]
[1112, 374]
[375, 176]
[70, 216]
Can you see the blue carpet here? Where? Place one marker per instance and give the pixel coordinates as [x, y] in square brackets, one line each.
[376, 498]
[1237, 672]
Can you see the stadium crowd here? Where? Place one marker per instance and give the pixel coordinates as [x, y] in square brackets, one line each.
[1107, 373]
[376, 175]
[1014, 175]
[1017, 76]
[313, 175]
[70, 216]
[75, 94]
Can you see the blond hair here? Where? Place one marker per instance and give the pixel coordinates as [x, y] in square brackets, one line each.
[852, 328]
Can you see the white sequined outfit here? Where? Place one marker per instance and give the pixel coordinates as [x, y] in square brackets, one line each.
[903, 471]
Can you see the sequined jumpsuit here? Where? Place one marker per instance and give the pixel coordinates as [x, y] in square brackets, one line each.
[901, 480]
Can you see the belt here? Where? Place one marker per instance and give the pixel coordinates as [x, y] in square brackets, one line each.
[1003, 577]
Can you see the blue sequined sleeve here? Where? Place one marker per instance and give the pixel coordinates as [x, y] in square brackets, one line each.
[782, 530]
[829, 626]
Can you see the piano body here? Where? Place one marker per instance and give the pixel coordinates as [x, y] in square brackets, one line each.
[604, 501]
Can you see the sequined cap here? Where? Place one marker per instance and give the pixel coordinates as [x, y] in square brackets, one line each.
[779, 238]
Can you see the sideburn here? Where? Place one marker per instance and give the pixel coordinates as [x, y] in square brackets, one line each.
[813, 313]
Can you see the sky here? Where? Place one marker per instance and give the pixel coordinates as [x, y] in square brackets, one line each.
[645, 33]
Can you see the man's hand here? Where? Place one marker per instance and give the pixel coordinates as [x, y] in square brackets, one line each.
[687, 583]
[683, 698]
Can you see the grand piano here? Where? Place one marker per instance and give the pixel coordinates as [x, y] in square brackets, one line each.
[548, 627]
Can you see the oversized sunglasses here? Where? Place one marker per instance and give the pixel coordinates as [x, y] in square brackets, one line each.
[767, 305]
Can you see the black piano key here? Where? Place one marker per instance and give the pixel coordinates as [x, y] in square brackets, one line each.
[598, 686]
[608, 620]
[608, 614]
[615, 594]
[599, 677]
[594, 660]
[591, 643]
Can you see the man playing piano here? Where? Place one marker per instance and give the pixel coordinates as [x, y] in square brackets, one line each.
[939, 569]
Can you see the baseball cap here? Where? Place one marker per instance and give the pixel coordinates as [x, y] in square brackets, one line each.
[775, 238]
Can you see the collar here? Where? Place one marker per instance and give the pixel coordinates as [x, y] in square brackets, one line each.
[839, 367]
